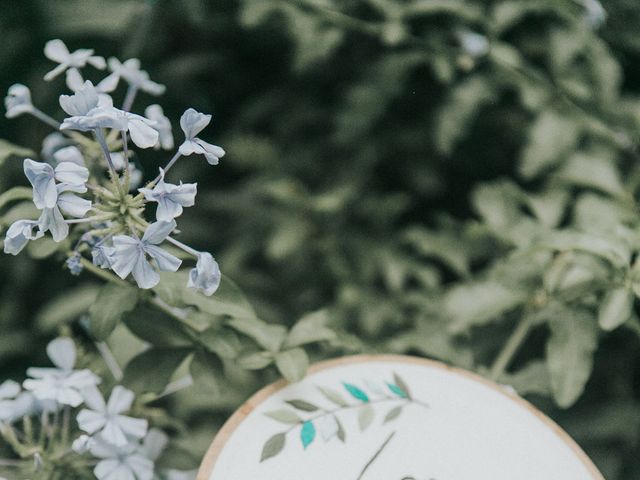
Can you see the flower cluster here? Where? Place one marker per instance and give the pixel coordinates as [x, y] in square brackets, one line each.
[86, 186]
[97, 434]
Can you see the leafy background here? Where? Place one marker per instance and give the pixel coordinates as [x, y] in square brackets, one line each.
[381, 181]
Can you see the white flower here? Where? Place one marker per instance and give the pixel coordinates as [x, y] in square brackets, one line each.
[82, 444]
[52, 143]
[475, 44]
[69, 154]
[206, 275]
[154, 444]
[57, 51]
[130, 71]
[192, 123]
[19, 234]
[162, 125]
[9, 390]
[120, 463]
[103, 256]
[62, 384]
[82, 101]
[130, 255]
[18, 101]
[75, 82]
[171, 198]
[106, 419]
[595, 14]
[42, 176]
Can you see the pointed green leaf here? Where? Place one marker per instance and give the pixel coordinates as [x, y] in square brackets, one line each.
[616, 308]
[333, 396]
[292, 364]
[307, 434]
[112, 302]
[365, 417]
[273, 446]
[393, 414]
[284, 416]
[302, 405]
[356, 392]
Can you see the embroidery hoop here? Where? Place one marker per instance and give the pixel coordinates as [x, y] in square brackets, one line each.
[217, 445]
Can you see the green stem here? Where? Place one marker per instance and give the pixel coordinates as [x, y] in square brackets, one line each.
[511, 347]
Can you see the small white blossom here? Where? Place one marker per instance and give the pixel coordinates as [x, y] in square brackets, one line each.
[107, 419]
[82, 444]
[473, 43]
[171, 198]
[62, 384]
[75, 82]
[43, 177]
[69, 154]
[130, 71]
[595, 14]
[82, 101]
[18, 101]
[57, 51]
[19, 234]
[206, 275]
[192, 123]
[120, 463]
[162, 125]
[103, 256]
[130, 255]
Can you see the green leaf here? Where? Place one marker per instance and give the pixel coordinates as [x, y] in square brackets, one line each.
[616, 308]
[355, 392]
[574, 338]
[273, 446]
[393, 414]
[551, 137]
[284, 416]
[310, 328]
[307, 434]
[365, 417]
[112, 302]
[221, 341]
[269, 337]
[205, 369]
[479, 303]
[152, 370]
[302, 405]
[157, 328]
[14, 194]
[8, 150]
[66, 308]
[342, 436]
[292, 364]
[531, 379]
[255, 360]
[333, 396]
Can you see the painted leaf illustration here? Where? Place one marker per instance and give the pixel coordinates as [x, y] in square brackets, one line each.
[284, 416]
[365, 417]
[302, 405]
[307, 434]
[397, 380]
[356, 392]
[341, 433]
[333, 396]
[393, 414]
[273, 446]
[397, 390]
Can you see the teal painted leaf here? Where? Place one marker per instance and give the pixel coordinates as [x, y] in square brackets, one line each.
[302, 405]
[307, 434]
[273, 446]
[397, 390]
[356, 392]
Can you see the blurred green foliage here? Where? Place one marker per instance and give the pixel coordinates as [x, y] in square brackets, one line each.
[481, 210]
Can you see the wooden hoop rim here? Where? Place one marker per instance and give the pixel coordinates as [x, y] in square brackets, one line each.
[212, 455]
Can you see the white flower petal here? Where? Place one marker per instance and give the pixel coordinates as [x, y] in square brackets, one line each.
[73, 205]
[143, 135]
[144, 274]
[51, 220]
[62, 352]
[91, 421]
[206, 276]
[157, 232]
[41, 177]
[193, 122]
[120, 400]
[56, 50]
[166, 262]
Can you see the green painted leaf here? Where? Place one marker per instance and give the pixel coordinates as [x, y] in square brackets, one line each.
[393, 414]
[397, 379]
[342, 436]
[273, 446]
[365, 417]
[284, 416]
[333, 396]
[356, 392]
[307, 434]
[302, 405]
